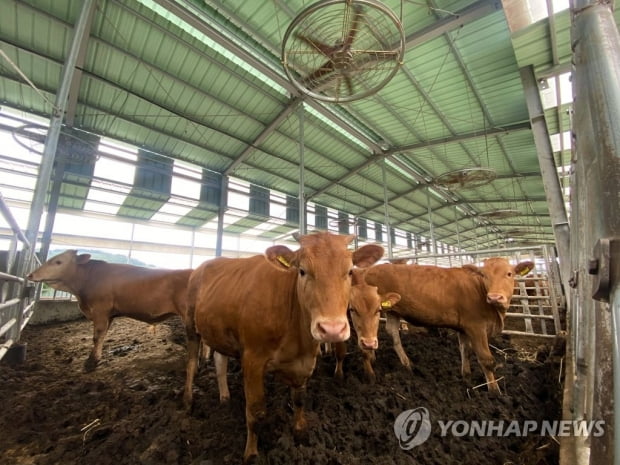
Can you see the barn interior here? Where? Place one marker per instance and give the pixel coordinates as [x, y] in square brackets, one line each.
[446, 130]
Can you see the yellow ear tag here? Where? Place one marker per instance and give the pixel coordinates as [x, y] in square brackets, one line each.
[283, 260]
[386, 304]
[525, 271]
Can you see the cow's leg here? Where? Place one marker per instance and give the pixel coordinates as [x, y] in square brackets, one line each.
[465, 349]
[480, 345]
[341, 352]
[221, 370]
[193, 350]
[255, 410]
[298, 395]
[369, 357]
[100, 329]
[205, 352]
[393, 329]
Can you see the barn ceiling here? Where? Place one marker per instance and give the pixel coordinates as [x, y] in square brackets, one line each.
[203, 82]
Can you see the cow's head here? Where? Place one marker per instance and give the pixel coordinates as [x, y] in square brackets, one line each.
[59, 269]
[365, 307]
[499, 279]
[324, 267]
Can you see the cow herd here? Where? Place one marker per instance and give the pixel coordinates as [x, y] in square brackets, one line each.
[273, 311]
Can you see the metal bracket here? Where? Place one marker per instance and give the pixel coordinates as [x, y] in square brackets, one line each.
[606, 257]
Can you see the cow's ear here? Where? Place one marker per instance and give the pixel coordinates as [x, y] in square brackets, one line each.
[281, 256]
[83, 258]
[524, 268]
[367, 255]
[389, 300]
[473, 269]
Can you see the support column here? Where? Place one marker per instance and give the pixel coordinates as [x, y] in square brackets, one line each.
[596, 84]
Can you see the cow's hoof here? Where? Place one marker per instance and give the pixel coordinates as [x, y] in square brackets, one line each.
[249, 460]
[90, 365]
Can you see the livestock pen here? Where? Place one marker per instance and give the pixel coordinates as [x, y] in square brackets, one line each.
[175, 131]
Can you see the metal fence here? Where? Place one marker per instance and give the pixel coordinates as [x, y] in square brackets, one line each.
[17, 297]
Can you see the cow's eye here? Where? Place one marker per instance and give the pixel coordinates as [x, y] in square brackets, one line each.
[58, 262]
[351, 272]
[510, 274]
[302, 272]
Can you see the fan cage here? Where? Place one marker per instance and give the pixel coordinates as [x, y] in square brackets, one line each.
[466, 178]
[374, 57]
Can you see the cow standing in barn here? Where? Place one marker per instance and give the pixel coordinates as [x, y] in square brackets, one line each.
[272, 312]
[105, 291]
[471, 300]
[365, 307]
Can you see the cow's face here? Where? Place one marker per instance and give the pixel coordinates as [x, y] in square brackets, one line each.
[324, 268]
[365, 307]
[499, 276]
[57, 270]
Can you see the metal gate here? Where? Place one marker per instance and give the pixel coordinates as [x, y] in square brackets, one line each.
[16, 297]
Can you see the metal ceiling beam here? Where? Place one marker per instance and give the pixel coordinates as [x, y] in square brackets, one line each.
[290, 108]
[192, 16]
[473, 12]
[513, 128]
[426, 144]
[76, 80]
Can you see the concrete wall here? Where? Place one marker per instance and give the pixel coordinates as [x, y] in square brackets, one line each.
[53, 311]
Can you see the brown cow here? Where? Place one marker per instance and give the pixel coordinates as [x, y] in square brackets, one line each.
[273, 311]
[105, 291]
[365, 306]
[471, 300]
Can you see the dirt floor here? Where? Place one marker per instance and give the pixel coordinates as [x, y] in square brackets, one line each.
[129, 410]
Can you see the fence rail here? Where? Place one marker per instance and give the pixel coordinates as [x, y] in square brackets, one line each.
[16, 294]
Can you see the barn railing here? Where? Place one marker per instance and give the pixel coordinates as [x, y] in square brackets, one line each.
[16, 296]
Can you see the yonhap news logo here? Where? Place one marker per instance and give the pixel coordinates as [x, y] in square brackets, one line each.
[413, 427]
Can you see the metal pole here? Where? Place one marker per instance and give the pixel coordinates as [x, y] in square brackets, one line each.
[430, 223]
[302, 174]
[385, 205]
[192, 248]
[548, 169]
[219, 236]
[458, 237]
[49, 152]
[131, 240]
[596, 83]
[58, 113]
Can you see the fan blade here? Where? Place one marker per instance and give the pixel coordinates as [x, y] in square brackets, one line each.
[349, 83]
[318, 73]
[353, 30]
[327, 50]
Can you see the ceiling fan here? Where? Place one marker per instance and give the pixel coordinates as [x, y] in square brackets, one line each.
[343, 50]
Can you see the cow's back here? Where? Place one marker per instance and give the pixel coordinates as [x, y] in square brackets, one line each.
[244, 301]
[430, 295]
[146, 294]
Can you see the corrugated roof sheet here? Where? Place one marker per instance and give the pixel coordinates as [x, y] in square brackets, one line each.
[202, 82]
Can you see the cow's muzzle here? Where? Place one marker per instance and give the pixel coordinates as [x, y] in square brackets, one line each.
[331, 330]
[497, 299]
[369, 343]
